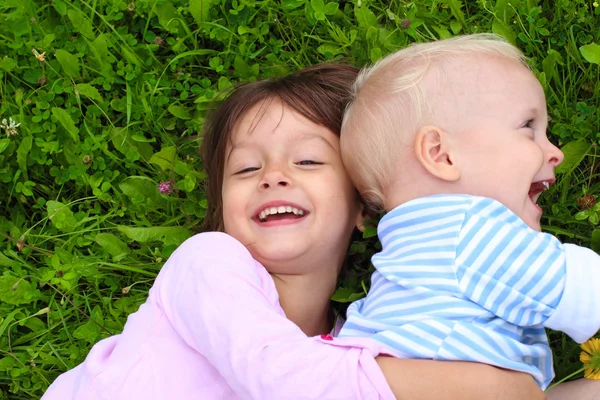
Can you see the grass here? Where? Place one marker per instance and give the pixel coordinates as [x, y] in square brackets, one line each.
[116, 107]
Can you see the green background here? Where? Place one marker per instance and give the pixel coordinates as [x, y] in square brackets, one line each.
[118, 105]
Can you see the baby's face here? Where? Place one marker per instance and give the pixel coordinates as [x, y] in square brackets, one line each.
[503, 150]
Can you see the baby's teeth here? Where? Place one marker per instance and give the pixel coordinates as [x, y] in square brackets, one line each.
[546, 185]
[262, 215]
[281, 209]
[273, 210]
[288, 209]
[300, 212]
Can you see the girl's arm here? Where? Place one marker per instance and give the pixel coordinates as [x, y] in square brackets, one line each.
[225, 306]
[434, 380]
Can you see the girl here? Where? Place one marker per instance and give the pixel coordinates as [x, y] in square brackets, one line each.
[245, 314]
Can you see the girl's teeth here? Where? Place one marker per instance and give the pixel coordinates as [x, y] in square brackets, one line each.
[546, 185]
[281, 210]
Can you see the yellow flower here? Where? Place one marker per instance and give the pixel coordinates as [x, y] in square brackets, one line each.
[595, 4]
[590, 357]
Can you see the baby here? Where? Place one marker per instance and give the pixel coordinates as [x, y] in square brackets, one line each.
[450, 139]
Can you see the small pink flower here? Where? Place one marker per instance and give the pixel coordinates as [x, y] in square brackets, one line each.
[165, 187]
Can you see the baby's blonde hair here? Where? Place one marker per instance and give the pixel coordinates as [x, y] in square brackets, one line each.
[390, 103]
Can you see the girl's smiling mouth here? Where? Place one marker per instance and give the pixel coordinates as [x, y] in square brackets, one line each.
[276, 213]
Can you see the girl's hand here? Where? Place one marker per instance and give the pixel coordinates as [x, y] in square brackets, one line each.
[429, 379]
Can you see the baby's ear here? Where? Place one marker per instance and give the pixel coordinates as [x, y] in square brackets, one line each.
[434, 151]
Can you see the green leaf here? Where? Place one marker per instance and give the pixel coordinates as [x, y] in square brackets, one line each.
[574, 153]
[4, 144]
[164, 158]
[22, 153]
[376, 54]
[199, 10]
[168, 235]
[179, 112]
[90, 330]
[130, 56]
[121, 138]
[60, 7]
[5, 261]
[140, 189]
[5, 322]
[8, 64]
[113, 245]
[364, 16]
[501, 28]
[89, 91]
[61, 216]
[370, 231]
[138, 137]
[66, 121]
[549, 63]
[582, 215]
[181, 168]
[188, 183]
[16, 291]
[241, 67]
[591, 53]
[81, 23]
[329, 48]
[331, 8]
[456, 8]
[595, 244]
[346, 295]
[68, 62]
[167, 15]
[456, 27]
[99, 51]
[318, 5]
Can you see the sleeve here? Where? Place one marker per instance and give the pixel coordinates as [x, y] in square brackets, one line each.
[213, 292]
[527, 277]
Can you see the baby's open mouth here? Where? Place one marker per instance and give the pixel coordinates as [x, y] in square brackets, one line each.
[280, 212]
[536, 189]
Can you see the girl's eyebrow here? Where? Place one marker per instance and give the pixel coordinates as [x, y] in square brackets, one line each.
[303, 137]
[313, 136]
[234, 147]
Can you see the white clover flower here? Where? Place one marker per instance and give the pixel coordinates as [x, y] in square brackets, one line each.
[10, 127]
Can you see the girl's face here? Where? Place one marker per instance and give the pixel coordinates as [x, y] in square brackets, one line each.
[286, 195]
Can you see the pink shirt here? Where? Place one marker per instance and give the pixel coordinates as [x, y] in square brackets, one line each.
[213, 328]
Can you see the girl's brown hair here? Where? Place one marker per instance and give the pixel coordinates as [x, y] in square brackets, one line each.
[319, 93]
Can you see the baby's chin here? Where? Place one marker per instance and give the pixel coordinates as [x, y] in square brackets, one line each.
[535, 225]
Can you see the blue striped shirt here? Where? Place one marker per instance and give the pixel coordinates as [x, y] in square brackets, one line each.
[462, 278]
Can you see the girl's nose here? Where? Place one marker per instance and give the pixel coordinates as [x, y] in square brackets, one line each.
[274, 177]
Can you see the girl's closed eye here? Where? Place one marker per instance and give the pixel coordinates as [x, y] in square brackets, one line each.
[246, 170]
